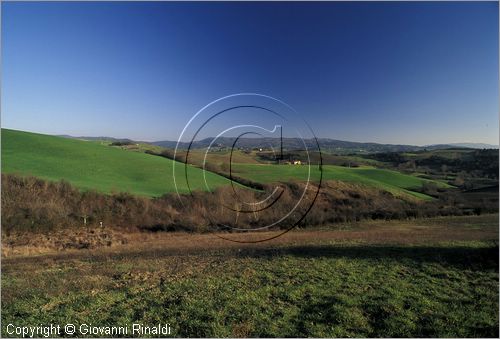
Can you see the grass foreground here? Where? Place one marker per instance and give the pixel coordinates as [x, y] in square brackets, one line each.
[436, 277]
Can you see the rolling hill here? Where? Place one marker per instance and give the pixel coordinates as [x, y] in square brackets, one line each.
[326, 145]
[90, 165]
[391, 181]
[94, 165]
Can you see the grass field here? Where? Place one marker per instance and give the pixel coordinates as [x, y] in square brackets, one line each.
[93, 165]
[444, 153]
[197, 156]
[435, 277]
[90, 165]
[392, 181]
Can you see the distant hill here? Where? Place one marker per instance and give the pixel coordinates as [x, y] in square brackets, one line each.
[110, 139]
[326, 144]
[466, 145]
[329, 145]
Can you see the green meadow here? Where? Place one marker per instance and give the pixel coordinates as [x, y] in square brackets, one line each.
[391, 181]
[90, 165]
[96, 165]
[329, 289]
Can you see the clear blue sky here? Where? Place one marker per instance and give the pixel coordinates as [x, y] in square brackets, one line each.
[412, 73]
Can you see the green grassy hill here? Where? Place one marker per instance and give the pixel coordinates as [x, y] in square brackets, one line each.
[90, 165]
[392, 181]
[93, 165]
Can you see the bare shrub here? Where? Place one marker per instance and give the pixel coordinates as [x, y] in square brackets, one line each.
[33, 205]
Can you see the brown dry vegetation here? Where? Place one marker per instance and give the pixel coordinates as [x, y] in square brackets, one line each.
[432, 277]
[33, 205]
[109, 241]
[196, 157]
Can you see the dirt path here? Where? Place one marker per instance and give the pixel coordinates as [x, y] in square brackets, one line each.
[415, 232]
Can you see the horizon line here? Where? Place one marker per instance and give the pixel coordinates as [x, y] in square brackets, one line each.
[318, 138]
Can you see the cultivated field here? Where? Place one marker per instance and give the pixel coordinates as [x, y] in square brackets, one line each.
[427, 277]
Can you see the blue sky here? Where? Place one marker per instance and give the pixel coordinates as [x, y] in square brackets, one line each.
[411, 73]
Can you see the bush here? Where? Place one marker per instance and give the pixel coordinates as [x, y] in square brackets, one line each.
[34, 205]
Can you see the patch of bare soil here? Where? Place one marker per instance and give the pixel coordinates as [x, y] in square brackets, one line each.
[74, 243]
[71, 239]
